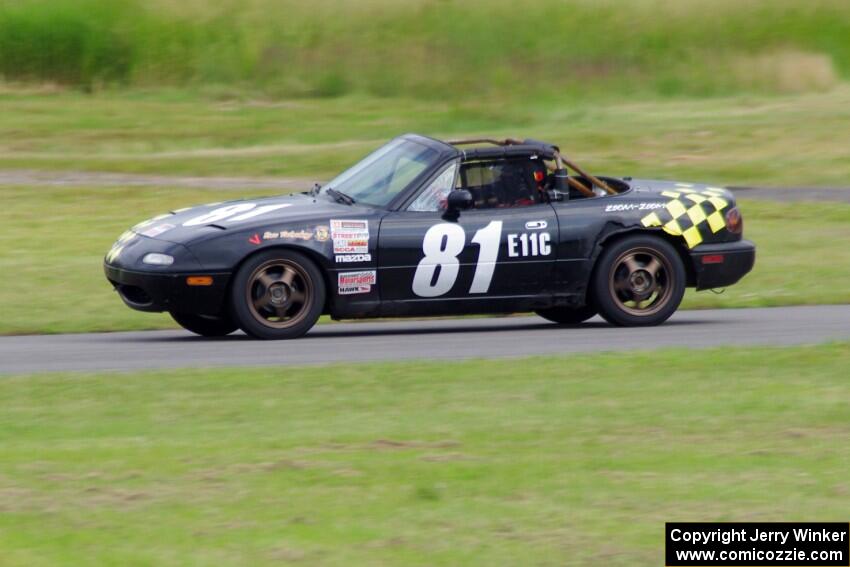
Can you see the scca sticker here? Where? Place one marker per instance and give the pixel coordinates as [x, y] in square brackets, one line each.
[352, 246]
[351, 283]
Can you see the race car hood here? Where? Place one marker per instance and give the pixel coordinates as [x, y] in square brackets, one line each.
[213, 219]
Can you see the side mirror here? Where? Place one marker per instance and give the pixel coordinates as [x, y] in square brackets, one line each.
[459, 200]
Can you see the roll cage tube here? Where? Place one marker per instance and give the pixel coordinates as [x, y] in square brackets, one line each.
[560, 163]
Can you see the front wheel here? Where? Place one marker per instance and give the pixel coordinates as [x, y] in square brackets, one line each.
[568, 315]
[278, 294]
[638, 281]
[205, 325]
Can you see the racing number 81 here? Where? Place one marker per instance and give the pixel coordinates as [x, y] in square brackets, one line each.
[442, 245]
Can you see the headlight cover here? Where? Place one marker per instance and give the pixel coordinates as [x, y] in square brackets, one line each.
[158, 259]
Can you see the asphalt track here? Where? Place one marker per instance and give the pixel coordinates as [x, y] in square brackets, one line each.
[442, 339]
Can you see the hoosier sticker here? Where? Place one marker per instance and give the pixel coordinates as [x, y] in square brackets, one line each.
[350, 283]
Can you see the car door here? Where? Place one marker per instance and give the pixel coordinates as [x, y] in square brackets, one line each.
[475, 260]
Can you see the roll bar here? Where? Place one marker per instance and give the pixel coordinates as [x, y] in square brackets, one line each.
[560, 162]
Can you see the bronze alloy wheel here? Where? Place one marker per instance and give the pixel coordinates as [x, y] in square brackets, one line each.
[279, 293]
[641, 281]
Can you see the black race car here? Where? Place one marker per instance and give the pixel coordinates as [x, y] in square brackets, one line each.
[426, 227]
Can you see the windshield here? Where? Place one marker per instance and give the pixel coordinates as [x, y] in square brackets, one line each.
[384, 173]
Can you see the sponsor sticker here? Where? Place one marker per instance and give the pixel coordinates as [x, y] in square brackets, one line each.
[345, 225]
[288, 235]
[353, 246]
[354, 258]
[632, 207]
[322, 233]
[350, 236]
[350, 283]
[319, 233]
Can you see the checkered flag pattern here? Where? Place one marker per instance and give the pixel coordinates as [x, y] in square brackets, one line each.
[689, 213]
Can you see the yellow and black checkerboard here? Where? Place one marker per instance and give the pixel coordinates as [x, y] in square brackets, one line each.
[690, 212]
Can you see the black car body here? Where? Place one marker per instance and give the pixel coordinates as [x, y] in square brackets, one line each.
[488, 229]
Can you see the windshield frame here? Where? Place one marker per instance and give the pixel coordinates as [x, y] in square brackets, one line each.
[402, 194]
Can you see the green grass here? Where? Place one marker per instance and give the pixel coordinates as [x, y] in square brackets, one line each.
[801, 257]
[560, 461]
[52, 247]
[54, 239]
[763, 140]
[431, 48]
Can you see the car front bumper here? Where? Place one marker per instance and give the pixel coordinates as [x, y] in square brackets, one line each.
[161, 291]
[721, 265]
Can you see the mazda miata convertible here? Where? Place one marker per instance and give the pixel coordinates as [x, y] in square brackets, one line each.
[426, 227]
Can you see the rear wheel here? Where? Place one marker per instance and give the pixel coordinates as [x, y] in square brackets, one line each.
[639, 280]
[568, 315]
[205, 325]
[277, 294]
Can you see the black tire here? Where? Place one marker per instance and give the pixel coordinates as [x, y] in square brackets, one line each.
[568, 315]
[638, 281]
[205, 325]
[277, 294]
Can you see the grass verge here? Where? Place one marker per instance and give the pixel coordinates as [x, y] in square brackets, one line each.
[800, 257]
[556, 461]
[54, 239]
[760, 140]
